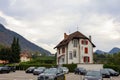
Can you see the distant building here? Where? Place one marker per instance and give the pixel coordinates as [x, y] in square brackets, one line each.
[75, 48]
[4, 61]
[25, 56]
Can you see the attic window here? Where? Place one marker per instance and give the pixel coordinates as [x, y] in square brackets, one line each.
[75, 42]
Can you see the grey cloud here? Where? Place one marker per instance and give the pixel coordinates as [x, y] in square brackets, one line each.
[3, 21]
[47, 20]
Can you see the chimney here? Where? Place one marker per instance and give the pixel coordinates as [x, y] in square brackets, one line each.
[65, 35]
[90, 38]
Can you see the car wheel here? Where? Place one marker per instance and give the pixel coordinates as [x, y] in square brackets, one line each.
[55, 79]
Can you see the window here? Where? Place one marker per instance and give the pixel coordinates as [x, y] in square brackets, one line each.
[59, 51]
[86, 59]
[74, 53]
[63, 50]
[75, 42]
[84, 42]
[70, 55]
[62, 59]
[86, 50]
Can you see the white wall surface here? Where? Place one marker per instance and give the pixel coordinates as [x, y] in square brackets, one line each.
[91, 66]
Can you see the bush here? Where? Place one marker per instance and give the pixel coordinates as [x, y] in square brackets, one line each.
[71, 67]
[25, 66]
[112, 66]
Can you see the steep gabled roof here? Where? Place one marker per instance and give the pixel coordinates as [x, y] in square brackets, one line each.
[75, 35]
[25, 54]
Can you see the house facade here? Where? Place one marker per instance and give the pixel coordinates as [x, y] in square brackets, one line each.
[25, 56]
[75, 48]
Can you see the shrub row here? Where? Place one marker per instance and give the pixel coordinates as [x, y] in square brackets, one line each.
[24, 66]
[71, 67]
[115, 67]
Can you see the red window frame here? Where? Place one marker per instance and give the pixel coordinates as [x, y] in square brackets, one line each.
[84, 42]
[86, 50]
[86, 59]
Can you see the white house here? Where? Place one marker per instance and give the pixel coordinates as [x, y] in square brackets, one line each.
[75, 48]
[25, 56]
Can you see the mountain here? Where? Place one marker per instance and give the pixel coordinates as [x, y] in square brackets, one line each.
[99, 52]
[6, 38]
[114, 50]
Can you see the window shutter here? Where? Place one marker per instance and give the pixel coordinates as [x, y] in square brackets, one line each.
[86, 50]
[86, 42]
[82, 42]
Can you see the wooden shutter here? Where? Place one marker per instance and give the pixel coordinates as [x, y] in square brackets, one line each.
[86, 50]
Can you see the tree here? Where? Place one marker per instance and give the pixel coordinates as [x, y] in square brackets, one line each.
[16, 49]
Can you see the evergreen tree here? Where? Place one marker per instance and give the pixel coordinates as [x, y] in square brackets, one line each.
[16, 49]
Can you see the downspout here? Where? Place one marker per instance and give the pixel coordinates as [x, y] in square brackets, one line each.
[79, 51]
[67, 54]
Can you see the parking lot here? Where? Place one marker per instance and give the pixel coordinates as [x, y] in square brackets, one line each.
[21, 75]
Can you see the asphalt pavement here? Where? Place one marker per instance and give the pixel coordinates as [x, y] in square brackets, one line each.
[21, 75]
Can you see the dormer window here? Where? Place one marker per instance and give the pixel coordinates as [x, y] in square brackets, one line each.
[75, 42]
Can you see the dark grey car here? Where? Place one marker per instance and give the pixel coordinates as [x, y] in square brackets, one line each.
[93, 75]
[52, 74]
[112, 72]
[80, 70]
[105, 73]
[39, 70]
[4, 69]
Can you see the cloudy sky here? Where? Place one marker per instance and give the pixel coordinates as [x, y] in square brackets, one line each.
[44, 22]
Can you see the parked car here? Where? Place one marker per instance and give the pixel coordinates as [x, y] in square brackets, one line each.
[93, 75]
[12, 68]
[30, 70]
[4, 69]
[112, 72]
[65, 70]
[52, 74]
[39, 70]
[105, 73]
[80, 70]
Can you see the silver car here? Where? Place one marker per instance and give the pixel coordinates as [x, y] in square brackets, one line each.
[51, 74]
[93, 75]
[65, 70]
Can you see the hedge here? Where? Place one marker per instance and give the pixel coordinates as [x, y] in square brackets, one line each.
[71, 67]
[25, 66]
[112, 66]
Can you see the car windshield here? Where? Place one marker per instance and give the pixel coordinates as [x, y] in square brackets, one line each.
[93, 73]
[40, 68]
[31, 67]
[81, 68]
[64, 68]
[51, 71]
[111, 70]
[104, 71]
